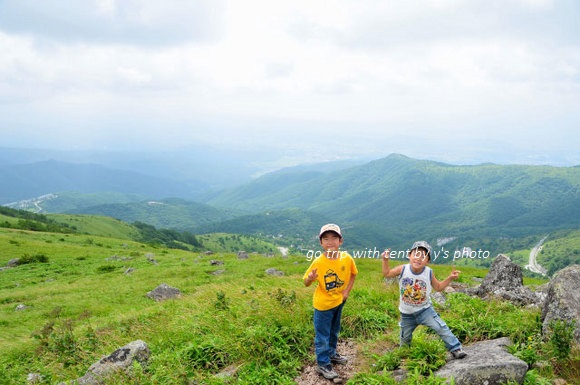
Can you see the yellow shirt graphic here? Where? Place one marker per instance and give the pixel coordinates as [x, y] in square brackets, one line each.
[333, 276]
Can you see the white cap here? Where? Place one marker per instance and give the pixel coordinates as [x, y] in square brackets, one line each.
[330, 227]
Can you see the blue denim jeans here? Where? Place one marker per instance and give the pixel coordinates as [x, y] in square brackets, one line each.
[326, 329]
[431, 319]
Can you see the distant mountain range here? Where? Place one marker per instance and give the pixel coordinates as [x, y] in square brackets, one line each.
[390, 201]
[24, 181]
[399, 197]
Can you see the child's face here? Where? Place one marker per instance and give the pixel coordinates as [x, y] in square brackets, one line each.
[330, 241]
[418, 259]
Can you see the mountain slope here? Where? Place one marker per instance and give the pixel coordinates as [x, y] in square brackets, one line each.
[424, 198]
[26, 181]
[171, 213]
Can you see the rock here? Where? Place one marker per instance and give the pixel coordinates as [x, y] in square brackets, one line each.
[13, 262]
[563, 300]
[34, 378]
[227, 373]
[213, 262]
[129, 271]
[487, 362]
[163, 292]
[120, 359]
[505, 280]
[243, 255]
[438, 298]
[21, 307]
[276, 272]
[218, 272]
[399, 375]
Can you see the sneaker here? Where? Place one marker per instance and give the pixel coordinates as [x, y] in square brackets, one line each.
[458, 354]
[338, 359]
[327, 372]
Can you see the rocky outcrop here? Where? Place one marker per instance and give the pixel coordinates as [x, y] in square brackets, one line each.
[504, 280]
[275, 272]
[164, 292]
[563, 300]
[487, 362]
[120, 359]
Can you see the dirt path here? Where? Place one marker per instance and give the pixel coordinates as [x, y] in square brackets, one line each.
[347, 348]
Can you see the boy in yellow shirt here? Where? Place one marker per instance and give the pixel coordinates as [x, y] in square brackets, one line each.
[335, 272]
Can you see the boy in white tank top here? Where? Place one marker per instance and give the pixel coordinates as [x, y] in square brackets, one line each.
[416, 281]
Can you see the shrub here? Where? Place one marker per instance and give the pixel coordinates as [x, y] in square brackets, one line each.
[527, 350]
[106, 268]
[561, 337]
[426, 355]
[286, 299]
[222, 302]
[37, 258]
[205, 355]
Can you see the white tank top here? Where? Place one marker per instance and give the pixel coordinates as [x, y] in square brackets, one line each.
[415, 290]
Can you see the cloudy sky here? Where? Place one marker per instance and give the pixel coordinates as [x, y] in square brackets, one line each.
[456, 81]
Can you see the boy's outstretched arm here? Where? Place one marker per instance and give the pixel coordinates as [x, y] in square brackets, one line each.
[441, 285]
[387, 271]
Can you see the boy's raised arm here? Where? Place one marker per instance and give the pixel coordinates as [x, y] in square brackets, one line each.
[441, 285]
[387, 271]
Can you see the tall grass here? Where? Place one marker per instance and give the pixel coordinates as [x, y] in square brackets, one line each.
[241, 320]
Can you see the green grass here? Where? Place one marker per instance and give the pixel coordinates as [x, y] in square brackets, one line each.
[97, 225]
[82, 306]
[223, 242]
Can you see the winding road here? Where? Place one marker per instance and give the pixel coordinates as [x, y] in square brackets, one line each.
[533, 263]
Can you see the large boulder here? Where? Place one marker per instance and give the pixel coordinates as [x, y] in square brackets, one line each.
[505, 280]
[563, 300]
[164, 292]
[487, 362]
[120, 359]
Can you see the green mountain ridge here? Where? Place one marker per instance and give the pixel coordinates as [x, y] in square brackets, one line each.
[425, 199]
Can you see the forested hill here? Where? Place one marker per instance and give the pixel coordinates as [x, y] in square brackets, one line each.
[398, 198]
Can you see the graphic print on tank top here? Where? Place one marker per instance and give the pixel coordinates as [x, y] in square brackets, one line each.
[413, 291]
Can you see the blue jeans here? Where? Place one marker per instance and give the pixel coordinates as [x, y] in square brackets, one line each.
[431, 319]
[326, 328]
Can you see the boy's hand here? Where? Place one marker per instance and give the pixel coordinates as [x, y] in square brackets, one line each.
[454, 273]
[386, 254]
[313, 276]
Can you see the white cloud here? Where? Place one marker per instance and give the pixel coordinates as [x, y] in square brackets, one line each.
[290, 73]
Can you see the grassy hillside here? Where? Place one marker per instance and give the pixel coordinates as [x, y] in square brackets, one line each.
[97, 225]
[560, 250]
[232, 243]
[291, 228]
[102, 226]
[81, 304]
[169, 213]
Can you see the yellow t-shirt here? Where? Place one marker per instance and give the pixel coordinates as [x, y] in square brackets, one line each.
[333, 277]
